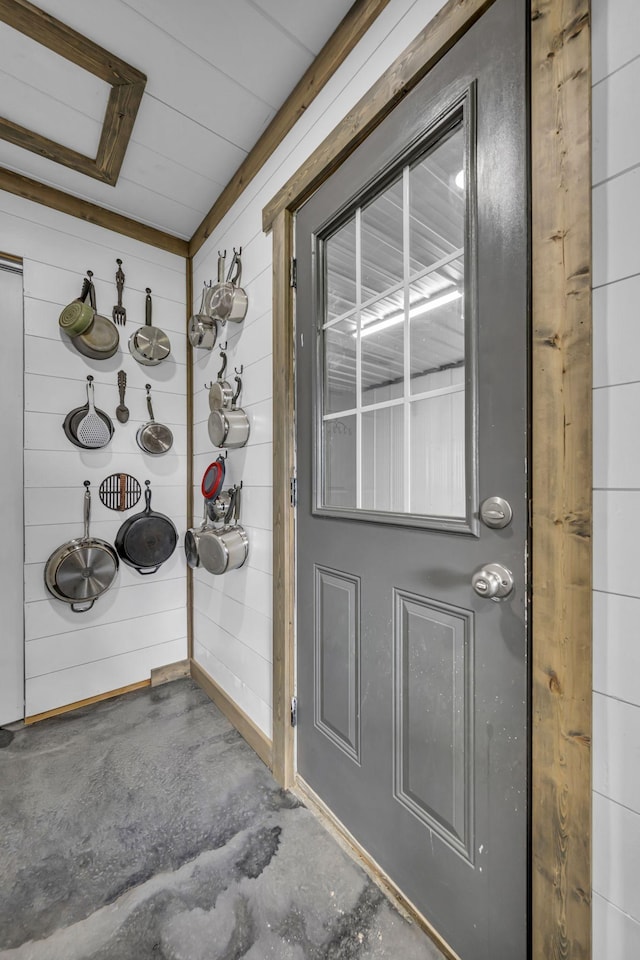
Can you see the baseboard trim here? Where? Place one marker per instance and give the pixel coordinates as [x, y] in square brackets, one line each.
[243, 724]
[68, 707]
[170, 672]
[349, 843]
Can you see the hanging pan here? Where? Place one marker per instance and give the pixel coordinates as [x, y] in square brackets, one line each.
[75, 418]
[229, 428]
[225, 548]
[78, 315]
[81, 570]
[153, 437]
[192, 539]
[149, 345]
[221, 392]
[202, 329]
[100, 341]
[146, 539]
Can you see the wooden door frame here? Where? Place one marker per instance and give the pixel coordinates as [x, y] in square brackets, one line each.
[560, 85]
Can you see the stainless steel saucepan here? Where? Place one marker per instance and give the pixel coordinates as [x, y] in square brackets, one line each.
[221, 392]
[228, 301]
[202, 329]
[225, 548]
[229, 428]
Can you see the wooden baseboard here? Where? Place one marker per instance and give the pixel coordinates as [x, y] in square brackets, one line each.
[349, 843]
[170, 672]
[67, 708]
[243, 724]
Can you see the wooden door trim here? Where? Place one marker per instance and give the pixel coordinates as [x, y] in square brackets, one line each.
[560, 83]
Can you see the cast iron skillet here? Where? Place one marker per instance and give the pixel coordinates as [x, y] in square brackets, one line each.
[146, 539]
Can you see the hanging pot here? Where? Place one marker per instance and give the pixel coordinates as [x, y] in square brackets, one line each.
[192, 541]
[77, 316]
[81, 570]
[221, 392]
[228, 300]
[153, 437]
[101, 340]
[202, 329]
[225, 548]
[75, 417]
[146, 539]
[229, 428]
[149, 345]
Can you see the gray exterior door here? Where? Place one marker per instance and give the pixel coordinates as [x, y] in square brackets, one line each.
[411, 362]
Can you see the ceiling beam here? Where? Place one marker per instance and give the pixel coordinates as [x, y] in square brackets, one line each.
[339, 45]
[89, 212]
[126, 82]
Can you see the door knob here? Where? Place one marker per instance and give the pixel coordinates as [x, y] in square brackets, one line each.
[493, 581]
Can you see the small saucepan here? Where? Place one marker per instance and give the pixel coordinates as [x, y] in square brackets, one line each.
[202, 329]
[228, 300]
[221, 392]
[229, 428]
[153, 437]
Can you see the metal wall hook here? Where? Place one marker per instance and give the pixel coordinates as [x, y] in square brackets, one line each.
[222, 255]
[208, 386]
[223, 455]
[223, 346]
[239, 372]
[238, 252]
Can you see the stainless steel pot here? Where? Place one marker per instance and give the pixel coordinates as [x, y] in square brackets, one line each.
[192, 541]
[81, 570]
[202, 329]
[229, 428]
[225, 548]
[228, 301]
[153, 437]
[221, 392]
[149, 345]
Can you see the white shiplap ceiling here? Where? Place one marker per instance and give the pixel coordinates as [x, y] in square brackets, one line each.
[217, 72]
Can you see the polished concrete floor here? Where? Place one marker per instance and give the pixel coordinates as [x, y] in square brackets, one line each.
[144, 827]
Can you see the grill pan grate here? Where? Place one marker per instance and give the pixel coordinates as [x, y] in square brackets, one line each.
[120, 491]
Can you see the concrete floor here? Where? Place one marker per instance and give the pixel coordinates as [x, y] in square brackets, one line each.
[144, 827]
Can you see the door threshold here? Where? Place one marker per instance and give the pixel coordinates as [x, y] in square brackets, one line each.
[373, 869]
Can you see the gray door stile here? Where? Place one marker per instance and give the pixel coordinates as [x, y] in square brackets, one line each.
[412, 331]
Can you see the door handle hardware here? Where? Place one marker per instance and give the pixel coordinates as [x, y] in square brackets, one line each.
[496, 512]
[493, 581]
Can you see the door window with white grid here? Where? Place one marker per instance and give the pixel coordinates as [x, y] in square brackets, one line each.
[394, 434]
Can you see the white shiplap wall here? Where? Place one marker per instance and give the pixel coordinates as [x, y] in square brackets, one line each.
[616, 398]
[233, 626]
[140, 623]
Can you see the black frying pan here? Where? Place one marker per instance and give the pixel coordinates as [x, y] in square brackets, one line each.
[146, 539]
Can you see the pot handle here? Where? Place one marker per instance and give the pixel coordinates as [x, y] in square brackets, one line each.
[147, 387]
[77, 608]
[236, 504]
[92, 290]
[222, 369]
[236, 264]
[147, 498]
[228, 517]
[237, 393]
[221, 259]
[145, 571]
[87, 510]
[84, 293]
[147, 307]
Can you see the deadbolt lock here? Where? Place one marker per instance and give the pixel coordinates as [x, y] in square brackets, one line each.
[493, 581]
[496, 512]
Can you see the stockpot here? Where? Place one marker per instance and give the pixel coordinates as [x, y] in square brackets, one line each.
[224, 548]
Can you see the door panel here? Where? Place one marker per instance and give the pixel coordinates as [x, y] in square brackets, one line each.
[411, 362]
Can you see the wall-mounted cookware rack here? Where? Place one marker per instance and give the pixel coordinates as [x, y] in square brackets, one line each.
[82, 569]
